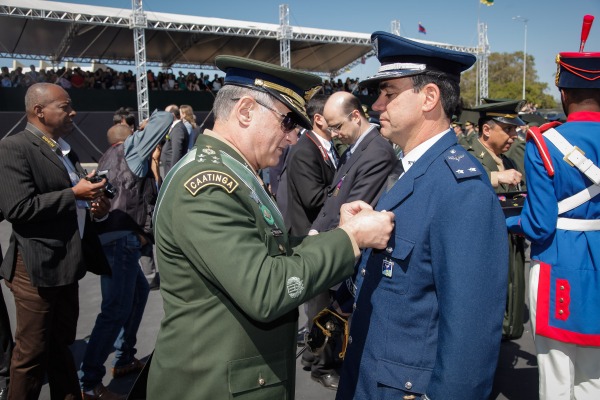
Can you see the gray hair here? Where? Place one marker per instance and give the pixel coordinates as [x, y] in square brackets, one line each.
[229, 94]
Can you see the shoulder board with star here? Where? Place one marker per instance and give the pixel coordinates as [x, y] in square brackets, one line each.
[461, 164]
[208, 155]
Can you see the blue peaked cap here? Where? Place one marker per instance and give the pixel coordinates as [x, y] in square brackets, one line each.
[401, 57]
[578, 70]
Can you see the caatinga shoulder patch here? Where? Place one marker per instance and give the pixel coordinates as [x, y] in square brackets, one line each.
[211, 178]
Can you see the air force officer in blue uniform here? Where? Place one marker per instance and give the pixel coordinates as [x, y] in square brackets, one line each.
[427, 320]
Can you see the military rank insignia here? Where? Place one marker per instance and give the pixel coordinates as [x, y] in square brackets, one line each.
[267, 214]
[210, 178]
[462, 166]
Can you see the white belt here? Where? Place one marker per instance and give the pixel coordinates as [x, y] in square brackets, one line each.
[578, 199]
[572, 224]
[574, 156]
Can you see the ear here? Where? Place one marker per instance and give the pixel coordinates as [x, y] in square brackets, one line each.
[319, 120]
[486, 129]
[431, 94]
[244, 109]
[38, 110]
[355, 116]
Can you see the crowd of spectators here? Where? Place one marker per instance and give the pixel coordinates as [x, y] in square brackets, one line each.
[108, 78]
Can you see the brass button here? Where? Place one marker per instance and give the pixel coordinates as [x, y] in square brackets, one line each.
[281, 248]
[562, 300]
[562, 287]
[561, 312]
[408, 385]
[261, 382]
[363, 272]
[389, 249]
[409, 397]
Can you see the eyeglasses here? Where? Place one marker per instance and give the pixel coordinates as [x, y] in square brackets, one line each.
[338, 127]
[288, 123]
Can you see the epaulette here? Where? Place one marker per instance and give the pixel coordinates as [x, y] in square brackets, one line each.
[461, 164]
[536, 135]
[214, 176]
[208, 154]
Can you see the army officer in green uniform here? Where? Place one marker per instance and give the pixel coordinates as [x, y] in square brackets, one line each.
[231, 279]
[498, 123]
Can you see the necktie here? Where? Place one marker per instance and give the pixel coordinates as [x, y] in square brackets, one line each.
[333, 154]
[395, 175]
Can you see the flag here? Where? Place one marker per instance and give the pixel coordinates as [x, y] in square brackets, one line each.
[422, 28]
[487, 2]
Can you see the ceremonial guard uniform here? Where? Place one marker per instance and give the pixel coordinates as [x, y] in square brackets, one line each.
[561, 217]
[231, 279]
[428, 298]
[505, 112]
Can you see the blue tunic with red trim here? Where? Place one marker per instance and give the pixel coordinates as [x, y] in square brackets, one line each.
[569, 289]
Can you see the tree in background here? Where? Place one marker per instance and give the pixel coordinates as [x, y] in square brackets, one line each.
[505, 81]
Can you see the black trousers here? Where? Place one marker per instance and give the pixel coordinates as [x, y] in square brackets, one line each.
[6, 343]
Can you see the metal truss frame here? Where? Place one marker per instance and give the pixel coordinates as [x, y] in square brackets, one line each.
[283, 33]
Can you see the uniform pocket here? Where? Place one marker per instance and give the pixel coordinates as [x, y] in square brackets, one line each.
[401, 379]
[258, 378]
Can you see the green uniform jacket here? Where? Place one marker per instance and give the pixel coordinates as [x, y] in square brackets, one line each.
[512, 325]
[231, 283]
[489, 164]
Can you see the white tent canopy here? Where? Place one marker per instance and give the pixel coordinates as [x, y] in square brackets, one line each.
[56, 32]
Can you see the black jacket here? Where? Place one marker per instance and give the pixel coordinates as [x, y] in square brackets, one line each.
[36, 198]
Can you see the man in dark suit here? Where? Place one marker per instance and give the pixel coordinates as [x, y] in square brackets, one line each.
[308, 172]
[176, 143]
[53, 241]
[306, 176]
[364, 166]
[6, 341]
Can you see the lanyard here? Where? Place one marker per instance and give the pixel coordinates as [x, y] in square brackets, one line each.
[53, 145]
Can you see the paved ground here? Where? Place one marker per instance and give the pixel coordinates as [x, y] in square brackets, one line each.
[516, 377]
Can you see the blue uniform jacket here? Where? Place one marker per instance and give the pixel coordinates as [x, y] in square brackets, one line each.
[573, 255]
[429, 309]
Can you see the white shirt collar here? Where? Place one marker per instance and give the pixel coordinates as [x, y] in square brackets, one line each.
[409, 159]
[324, 142]
[361, 137]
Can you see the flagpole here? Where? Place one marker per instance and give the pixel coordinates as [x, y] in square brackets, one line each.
[477, 72]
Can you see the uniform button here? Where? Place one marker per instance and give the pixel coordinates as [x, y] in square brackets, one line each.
[408, 385]
[261, 382]
[562, 287]
[562, 300]
[561, 312]
[389, 249]
[409, 397]
[281, 248]
[349, 339]
[354, 307]
[363, 272]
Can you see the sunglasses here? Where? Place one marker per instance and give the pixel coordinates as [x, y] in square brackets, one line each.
[288, 123]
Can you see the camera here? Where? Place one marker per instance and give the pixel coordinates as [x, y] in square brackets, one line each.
[109, 190]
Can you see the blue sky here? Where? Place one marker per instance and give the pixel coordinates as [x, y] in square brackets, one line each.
[553, 25]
